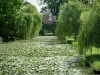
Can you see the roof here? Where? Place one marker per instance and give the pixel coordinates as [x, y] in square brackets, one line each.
[49, 19]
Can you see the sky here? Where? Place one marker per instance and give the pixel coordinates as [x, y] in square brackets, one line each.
[35, 2]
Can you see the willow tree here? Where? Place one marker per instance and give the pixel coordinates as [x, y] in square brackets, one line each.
[28, 21]
[68, 22]
[18, 20]
[90, 29]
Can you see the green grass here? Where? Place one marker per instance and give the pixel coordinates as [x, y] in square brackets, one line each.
[92, 56]
[96, 65]
[69, 40]
[94, 60]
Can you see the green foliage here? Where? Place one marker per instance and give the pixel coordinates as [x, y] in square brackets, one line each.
[69, 41]
[33, 20]
[89, 42]
[89, 32]
[52, 5]
[18, 20]
[84, 30]
[68, 22]
[8, 11]
[96, 65]
[94, 61]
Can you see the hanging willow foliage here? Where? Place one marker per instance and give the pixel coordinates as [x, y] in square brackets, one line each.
[85, 30]
[68, 19]
[31, 22]
[90, 30]
[18, 20]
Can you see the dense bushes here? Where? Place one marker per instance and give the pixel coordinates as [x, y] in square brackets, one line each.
[19, 20]
[8, 11]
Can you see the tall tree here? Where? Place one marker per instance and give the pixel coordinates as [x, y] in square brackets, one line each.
[90, 29]
[18, 20]
[32, 18]
[52, 5]
[68, 22]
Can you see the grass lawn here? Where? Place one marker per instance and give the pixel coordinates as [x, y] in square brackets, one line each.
[94, 58]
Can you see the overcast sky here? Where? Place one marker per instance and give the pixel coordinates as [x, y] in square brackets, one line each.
[35, 2]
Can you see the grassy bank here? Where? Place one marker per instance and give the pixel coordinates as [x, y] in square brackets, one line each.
[92, 56]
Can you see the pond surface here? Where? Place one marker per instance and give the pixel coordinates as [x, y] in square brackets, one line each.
[43, 55]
